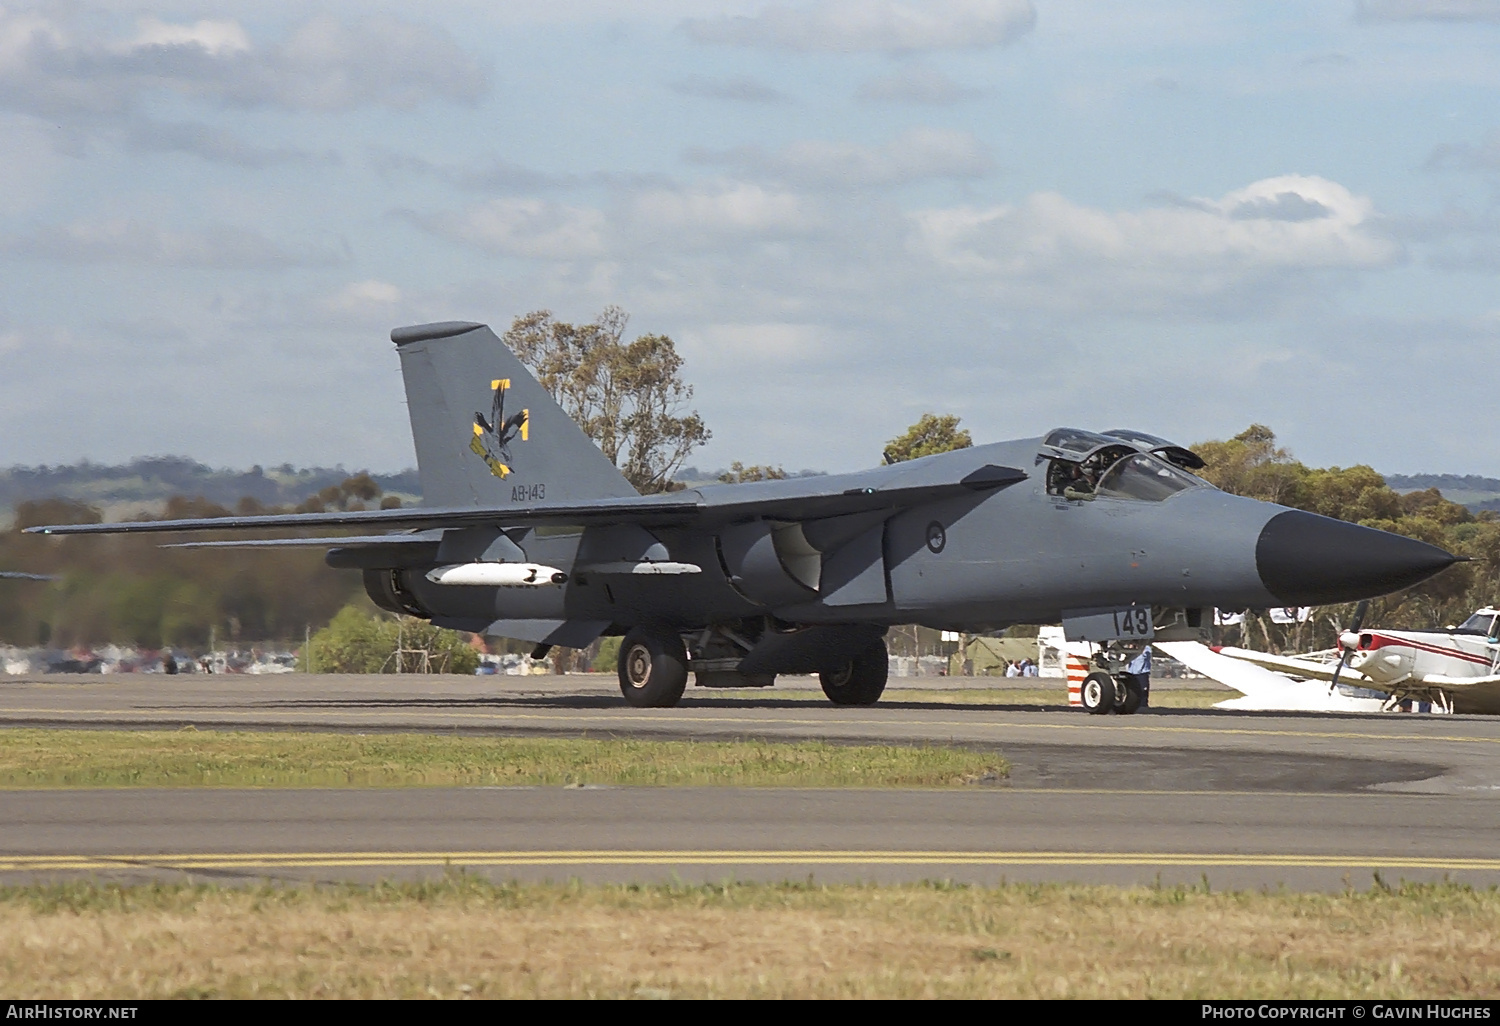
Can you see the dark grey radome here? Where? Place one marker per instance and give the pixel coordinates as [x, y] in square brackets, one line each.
[1308, 560]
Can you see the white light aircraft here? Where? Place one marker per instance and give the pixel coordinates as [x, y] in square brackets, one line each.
[1454, 670]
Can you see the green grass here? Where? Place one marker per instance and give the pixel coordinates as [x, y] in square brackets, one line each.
[191, 758]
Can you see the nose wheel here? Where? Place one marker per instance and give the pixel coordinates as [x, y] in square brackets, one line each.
[1099, 693]
[1104, 693]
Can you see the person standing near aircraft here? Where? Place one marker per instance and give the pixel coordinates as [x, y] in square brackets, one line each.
[1139, 669]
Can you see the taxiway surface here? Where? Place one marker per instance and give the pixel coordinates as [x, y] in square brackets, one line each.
[1245, 800]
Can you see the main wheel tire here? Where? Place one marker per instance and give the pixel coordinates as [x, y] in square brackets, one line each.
[1098, 693]
[653, 667]
[1130, 697]
[861, 680]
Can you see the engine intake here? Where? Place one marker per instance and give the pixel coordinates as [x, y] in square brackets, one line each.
[387, 589]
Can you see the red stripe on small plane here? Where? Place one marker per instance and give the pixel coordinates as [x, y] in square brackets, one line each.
[1385, 641]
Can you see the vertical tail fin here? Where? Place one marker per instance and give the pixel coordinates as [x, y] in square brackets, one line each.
[487, 433]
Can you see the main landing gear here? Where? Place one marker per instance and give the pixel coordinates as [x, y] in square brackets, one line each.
[653, 667]
[861, 680]
[655, 662]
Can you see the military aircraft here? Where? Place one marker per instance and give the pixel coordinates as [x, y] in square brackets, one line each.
[1455, 670]
[528, 531]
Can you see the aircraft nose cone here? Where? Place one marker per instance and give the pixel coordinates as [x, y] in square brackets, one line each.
[1308, 560]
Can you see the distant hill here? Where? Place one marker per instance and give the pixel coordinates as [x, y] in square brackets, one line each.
[154, 479]
[1469, 490]
[1466, 482]
[692, 477]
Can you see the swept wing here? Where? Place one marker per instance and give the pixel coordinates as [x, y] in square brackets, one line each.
[798, 500]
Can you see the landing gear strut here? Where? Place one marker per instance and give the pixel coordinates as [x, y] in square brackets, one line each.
[1110, 687]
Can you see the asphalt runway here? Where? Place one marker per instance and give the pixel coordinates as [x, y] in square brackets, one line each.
[1176, 796]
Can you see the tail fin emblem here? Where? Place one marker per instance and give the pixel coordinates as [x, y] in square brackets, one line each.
[492, 438]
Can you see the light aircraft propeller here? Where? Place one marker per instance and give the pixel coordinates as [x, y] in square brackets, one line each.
[1348, 650]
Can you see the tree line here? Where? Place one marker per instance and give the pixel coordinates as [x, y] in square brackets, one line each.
[1253, 464]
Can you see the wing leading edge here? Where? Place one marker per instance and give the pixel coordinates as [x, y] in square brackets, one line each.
[681, 508]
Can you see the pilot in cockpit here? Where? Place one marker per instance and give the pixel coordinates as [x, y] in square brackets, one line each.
[1079, 483]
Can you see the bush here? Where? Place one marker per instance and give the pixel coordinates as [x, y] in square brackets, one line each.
[608, 657]
[358, 643]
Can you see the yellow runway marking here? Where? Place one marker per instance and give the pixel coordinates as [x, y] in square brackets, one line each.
[688, 717]
[393, 860]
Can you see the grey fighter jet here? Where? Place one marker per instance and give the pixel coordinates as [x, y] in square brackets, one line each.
[529, 532]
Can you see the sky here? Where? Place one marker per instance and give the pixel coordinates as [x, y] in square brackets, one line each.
[1173, 216]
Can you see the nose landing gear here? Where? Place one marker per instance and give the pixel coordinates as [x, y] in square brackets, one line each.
[1111, 687]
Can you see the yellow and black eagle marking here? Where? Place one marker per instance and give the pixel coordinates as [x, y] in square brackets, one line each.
[492, 438]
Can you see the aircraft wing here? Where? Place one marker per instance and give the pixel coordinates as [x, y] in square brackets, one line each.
[1295, 666]
[21, 575]
[807, 499]
[362, 540]
[1440, 680]
[1468, 694]
[641, 510]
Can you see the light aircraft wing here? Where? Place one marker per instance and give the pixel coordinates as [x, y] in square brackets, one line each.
[1294, 665]
[20, 575]
[1468, 694]
[819, 497]
[1264, 690]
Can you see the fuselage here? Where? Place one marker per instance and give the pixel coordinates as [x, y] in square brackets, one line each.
[1022, 552]
[1391, 658]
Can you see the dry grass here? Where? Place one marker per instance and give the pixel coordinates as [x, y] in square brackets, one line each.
[463, 937]
[190, 758]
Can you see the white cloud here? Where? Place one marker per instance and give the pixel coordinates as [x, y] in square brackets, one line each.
[718, 347]
[1049, 248]
[130, 240]
[915, 85]
[1428, 10]
[1485, 156]
[740, 89]
[21, 31]
[52, 69]
[524, 227]
[216, 37]
[211, 144]
[918, 154]
[361, 297]
[862, 25]
[701, 213]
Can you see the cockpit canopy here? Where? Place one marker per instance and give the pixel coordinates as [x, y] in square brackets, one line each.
[1119, 464]
[1075, 442]
[1177, 455]
[1482, 622]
